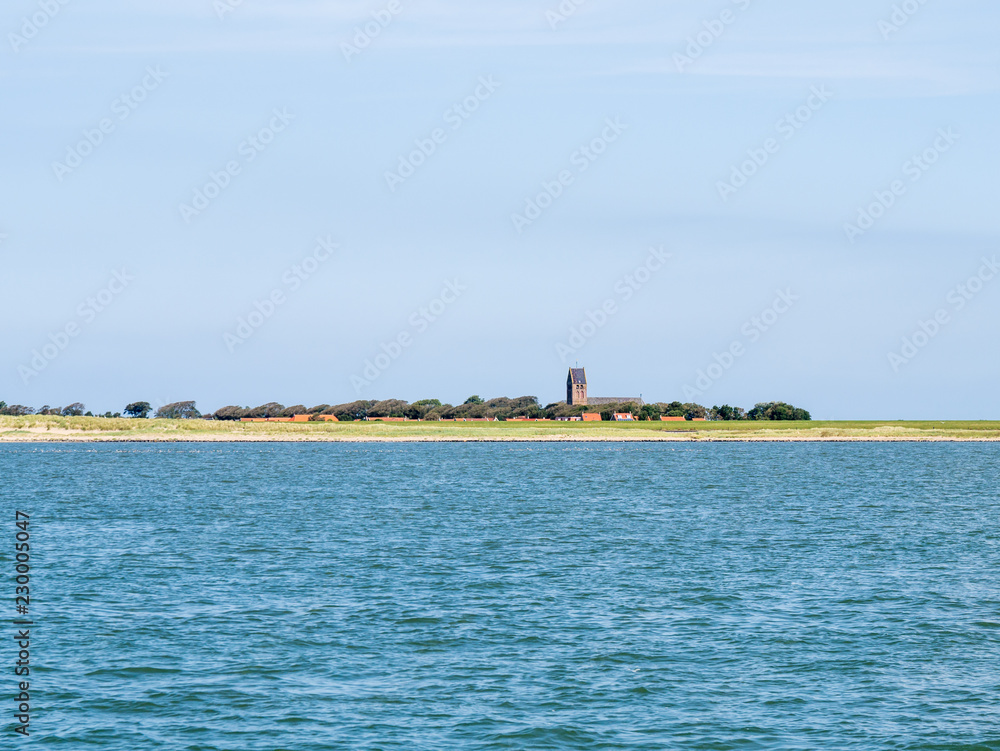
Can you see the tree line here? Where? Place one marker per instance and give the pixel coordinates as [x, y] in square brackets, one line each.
[502, 408]
[76, 409]
[178, 410]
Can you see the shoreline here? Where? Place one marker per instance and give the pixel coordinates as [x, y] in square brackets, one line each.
[52, 429]
[66, 439]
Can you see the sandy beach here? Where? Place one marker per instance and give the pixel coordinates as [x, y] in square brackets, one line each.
[90, 429]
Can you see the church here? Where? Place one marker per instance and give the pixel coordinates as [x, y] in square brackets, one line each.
[576, 392]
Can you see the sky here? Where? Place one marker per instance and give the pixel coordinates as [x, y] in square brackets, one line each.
[314, 202]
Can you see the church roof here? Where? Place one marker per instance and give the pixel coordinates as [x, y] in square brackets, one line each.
[578, 376]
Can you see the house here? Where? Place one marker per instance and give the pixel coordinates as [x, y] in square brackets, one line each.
[664, 418]
[623, 417]
[569, 419]
[591, 416]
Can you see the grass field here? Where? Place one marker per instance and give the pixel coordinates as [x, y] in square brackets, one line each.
[51, 428]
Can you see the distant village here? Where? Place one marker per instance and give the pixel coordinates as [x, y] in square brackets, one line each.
[579, 406]
[616, 409]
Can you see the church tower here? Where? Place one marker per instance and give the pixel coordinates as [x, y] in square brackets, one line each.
[576, 387]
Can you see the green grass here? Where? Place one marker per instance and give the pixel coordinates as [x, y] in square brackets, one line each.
[52, 428]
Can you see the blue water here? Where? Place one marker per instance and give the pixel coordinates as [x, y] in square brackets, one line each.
[509, 596]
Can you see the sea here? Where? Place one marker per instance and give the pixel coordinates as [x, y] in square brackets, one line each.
[236, 597]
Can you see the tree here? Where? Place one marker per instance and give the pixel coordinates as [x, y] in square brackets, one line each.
[727, 413]
[178, 411]
[271, 409]
[352, 411]
[693, 411]
[230, 413]
[521, 406]
[298, 409]
[474, 400]
[15, 410]
[777, 411]
[388, 408]
[650, 412]
[138, 410]
[674, 409]
[419, 410]
[74, 410]
[439, 413]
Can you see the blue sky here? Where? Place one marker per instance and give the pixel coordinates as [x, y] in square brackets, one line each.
[876, 115]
